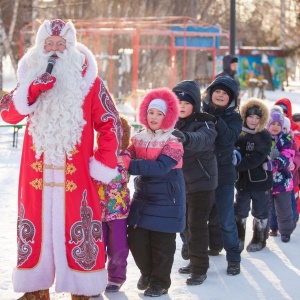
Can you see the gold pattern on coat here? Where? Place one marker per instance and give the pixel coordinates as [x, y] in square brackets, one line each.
[37, 166]
[70, 186]
[37, 183]
[70, 169]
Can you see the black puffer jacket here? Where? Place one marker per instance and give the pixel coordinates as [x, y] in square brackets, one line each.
[228, 126]
[199, 160]
[254, 146]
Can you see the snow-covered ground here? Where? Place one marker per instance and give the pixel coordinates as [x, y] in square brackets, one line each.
[273, 273]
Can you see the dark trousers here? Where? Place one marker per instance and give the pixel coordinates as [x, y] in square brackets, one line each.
[283, 209]
[214, 229]
[260, 204]
[198, 208]
[225, 208]
[153, 253]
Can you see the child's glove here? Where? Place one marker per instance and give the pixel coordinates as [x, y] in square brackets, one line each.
[236, 157]
[41, 84]
[206, 117]
[180, 135]
[268, 166]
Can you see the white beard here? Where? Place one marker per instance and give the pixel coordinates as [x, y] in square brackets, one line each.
[56, 124]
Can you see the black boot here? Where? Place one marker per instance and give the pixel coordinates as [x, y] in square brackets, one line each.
[185, 270]
[259, 238]
[195, 279]
[241, 227]
[143, 282]
[233, 268]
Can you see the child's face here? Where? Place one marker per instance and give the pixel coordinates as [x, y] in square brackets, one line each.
[252, 121]
[275, 128]
[154, 118]
[220, 98]
[185, 109]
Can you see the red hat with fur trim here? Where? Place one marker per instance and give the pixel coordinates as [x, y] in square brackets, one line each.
[171, 105]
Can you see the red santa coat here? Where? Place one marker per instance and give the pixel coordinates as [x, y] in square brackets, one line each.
[59, 228]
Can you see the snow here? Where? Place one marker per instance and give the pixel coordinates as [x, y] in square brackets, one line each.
[273, 273]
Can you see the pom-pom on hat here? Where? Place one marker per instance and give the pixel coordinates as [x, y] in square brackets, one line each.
[159, 104]
[276, 116]
[56, 28]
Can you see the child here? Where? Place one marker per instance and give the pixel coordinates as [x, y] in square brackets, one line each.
[158, 203]
[221, 101]
[253, 183]
[197, 133]
[281, 164]
[115, 204]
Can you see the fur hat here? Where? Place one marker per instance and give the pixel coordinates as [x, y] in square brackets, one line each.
[125, 133]
[254, 110]
[56, 28]
[258, 104]
[276, 115]
[172, 105]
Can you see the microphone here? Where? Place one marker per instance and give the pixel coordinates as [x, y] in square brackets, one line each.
[51, 63]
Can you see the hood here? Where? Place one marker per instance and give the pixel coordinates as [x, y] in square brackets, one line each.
[172, 107]
[288, 104]
[191, 88]
[227, 60]
[265, 112]
[230, 83]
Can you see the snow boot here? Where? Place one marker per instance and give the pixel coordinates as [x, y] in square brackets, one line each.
[185, 270]
[285, 238]
[259, 238]
[37, 295]
[195, 279]
[241, 227]
[233, 268]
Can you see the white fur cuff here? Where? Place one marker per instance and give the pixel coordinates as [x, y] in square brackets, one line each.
[101, 172]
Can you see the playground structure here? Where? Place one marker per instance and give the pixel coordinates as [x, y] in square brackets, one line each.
[139, 42]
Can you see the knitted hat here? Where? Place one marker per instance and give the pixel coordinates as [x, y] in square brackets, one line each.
[183, 96]
[224, 88]
[159, 104]
[254, 110]
[56, 28]
[276, 116]
[287, 124]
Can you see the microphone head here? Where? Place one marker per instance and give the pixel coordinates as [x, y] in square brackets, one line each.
[51, 60]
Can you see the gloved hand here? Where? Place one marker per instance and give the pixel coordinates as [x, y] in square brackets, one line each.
[206, 117]
[180, 135]
[41, 84]
[236, 157]
[268, 166]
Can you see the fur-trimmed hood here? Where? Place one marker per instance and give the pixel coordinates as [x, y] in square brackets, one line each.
[172, 107]
[265, 112]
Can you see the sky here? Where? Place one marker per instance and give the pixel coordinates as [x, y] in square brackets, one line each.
[272, 273]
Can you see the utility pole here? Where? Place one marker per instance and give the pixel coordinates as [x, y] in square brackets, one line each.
[232, 27]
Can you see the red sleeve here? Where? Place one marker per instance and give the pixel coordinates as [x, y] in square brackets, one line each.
[107, 123]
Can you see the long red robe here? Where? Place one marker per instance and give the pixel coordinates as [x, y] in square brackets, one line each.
[59, 228]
